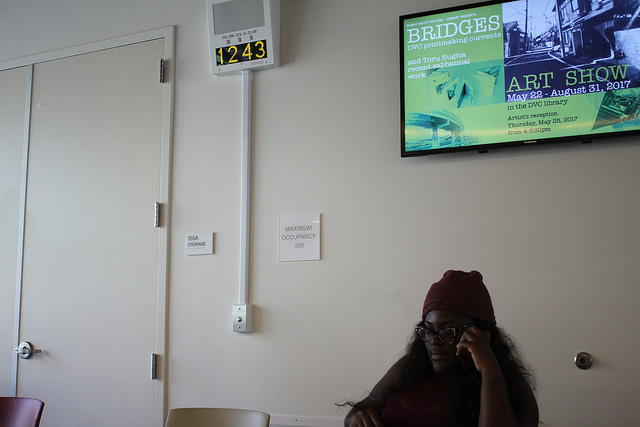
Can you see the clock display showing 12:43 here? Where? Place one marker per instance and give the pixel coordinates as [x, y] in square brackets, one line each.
[244, 52]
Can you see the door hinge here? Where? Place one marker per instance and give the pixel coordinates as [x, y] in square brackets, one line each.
[162, 71]
[154, 366]
[156, 215]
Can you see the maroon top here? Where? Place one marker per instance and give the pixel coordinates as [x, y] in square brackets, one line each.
[426, 403]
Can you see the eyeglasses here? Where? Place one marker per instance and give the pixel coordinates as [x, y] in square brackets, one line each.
[446, 335]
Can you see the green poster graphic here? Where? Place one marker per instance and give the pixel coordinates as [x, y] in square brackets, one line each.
[452, 61]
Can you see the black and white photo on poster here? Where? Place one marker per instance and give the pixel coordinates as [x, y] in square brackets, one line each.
[569, 47]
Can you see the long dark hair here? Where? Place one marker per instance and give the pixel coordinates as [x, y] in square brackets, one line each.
[517, 375]
[417, 366]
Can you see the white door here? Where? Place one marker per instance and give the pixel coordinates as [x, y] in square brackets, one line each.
[90, 269]
[13, 89]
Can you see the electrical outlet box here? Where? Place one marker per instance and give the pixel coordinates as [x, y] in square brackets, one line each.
[242, 318]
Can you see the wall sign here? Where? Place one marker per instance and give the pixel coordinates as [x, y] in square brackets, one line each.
[299, 238]
[198, 244]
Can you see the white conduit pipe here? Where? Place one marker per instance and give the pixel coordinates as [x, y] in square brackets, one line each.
[245, 183]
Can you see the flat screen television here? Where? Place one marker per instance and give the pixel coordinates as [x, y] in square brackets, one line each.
[505, 73]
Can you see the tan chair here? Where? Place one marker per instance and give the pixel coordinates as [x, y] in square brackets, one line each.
[20, 412]
[216, 417]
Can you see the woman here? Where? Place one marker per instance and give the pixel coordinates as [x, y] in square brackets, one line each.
[460, 369]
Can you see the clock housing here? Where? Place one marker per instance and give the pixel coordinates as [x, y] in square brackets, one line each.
[243, 35]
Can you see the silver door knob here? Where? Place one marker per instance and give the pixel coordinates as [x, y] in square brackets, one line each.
[583, 360]
[25, 350]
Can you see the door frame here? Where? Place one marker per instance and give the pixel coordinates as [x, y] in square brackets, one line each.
[168, 34]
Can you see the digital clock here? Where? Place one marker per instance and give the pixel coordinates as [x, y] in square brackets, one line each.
[244, 52]
[243, 35]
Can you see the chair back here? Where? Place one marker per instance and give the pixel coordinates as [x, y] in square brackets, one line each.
[216, 417]
[20, 412]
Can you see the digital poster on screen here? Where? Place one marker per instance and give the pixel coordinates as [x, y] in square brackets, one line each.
[507, 73]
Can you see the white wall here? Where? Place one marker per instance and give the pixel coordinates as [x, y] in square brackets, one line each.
[553, 229]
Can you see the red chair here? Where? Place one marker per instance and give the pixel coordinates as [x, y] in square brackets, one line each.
[20, 412]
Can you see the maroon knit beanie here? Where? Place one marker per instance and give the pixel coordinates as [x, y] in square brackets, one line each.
[460, 292]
